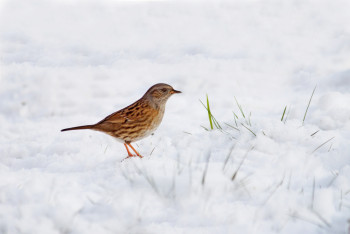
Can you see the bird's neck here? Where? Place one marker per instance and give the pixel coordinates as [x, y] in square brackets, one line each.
[160, 106]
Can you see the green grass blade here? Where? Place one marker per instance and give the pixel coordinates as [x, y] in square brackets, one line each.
[250, 115]
[248, 129]
[308, 105]
[232, 126]
[205, 128]
[216, 123]
[235, 118]
[240, 108]
[212, 120]
[283, 113]
[285, 119]
[209, 114]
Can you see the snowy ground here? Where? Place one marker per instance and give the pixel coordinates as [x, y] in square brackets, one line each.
[67, 64]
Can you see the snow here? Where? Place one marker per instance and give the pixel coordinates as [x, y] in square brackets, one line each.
[74, 62]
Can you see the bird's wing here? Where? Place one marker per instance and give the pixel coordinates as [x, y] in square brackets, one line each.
[112, 122]
[118, 117]
[122, 116]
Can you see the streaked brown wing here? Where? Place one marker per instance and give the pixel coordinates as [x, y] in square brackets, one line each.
[117, 118]
[129, 113]
[114, 122]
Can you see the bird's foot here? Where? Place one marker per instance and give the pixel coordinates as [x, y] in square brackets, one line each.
[129, 153]
[131, 156]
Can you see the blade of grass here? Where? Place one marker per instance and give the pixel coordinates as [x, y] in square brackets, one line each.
[290, 178]
[205, 128]
[240, 108]
[212, 119]
[330, 147]
[241, 163]
[285, 119]
[228, 156]
[235, 117]
[322, 145]
[152, 151]
[209, 116]
[283, 113]
[273, 192]
[105, 149]
[314, 133]
[235, 114]
[297, 216]
[209, 113]
[308, 105]
[333, 179]
[313, 194]
[148, 178]
[321, 218]
[248, 129]
[216, 123]
[250, 115]
[232, 126]
[205, 169]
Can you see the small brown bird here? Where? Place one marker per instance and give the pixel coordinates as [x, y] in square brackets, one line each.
[136, 121]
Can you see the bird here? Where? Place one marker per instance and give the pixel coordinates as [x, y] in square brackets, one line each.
[137, 120]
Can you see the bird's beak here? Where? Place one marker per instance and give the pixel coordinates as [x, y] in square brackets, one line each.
[175, 91]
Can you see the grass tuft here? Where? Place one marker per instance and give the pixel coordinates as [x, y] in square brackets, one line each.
[212, 121]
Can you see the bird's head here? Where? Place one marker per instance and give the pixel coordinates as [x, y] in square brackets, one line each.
[159, 93]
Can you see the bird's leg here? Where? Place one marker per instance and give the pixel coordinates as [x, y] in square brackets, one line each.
[137, 153]
[129, 154]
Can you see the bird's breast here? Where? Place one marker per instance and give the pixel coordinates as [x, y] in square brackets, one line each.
[154, 120]
[142, 127]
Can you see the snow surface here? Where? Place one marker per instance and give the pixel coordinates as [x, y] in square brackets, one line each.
[70, 63]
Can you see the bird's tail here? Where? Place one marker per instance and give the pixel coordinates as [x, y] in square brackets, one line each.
[78, 128]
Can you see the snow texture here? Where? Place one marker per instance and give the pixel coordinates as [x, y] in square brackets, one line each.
[73, 62]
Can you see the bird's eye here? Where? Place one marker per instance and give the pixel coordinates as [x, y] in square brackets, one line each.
[164, 90]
